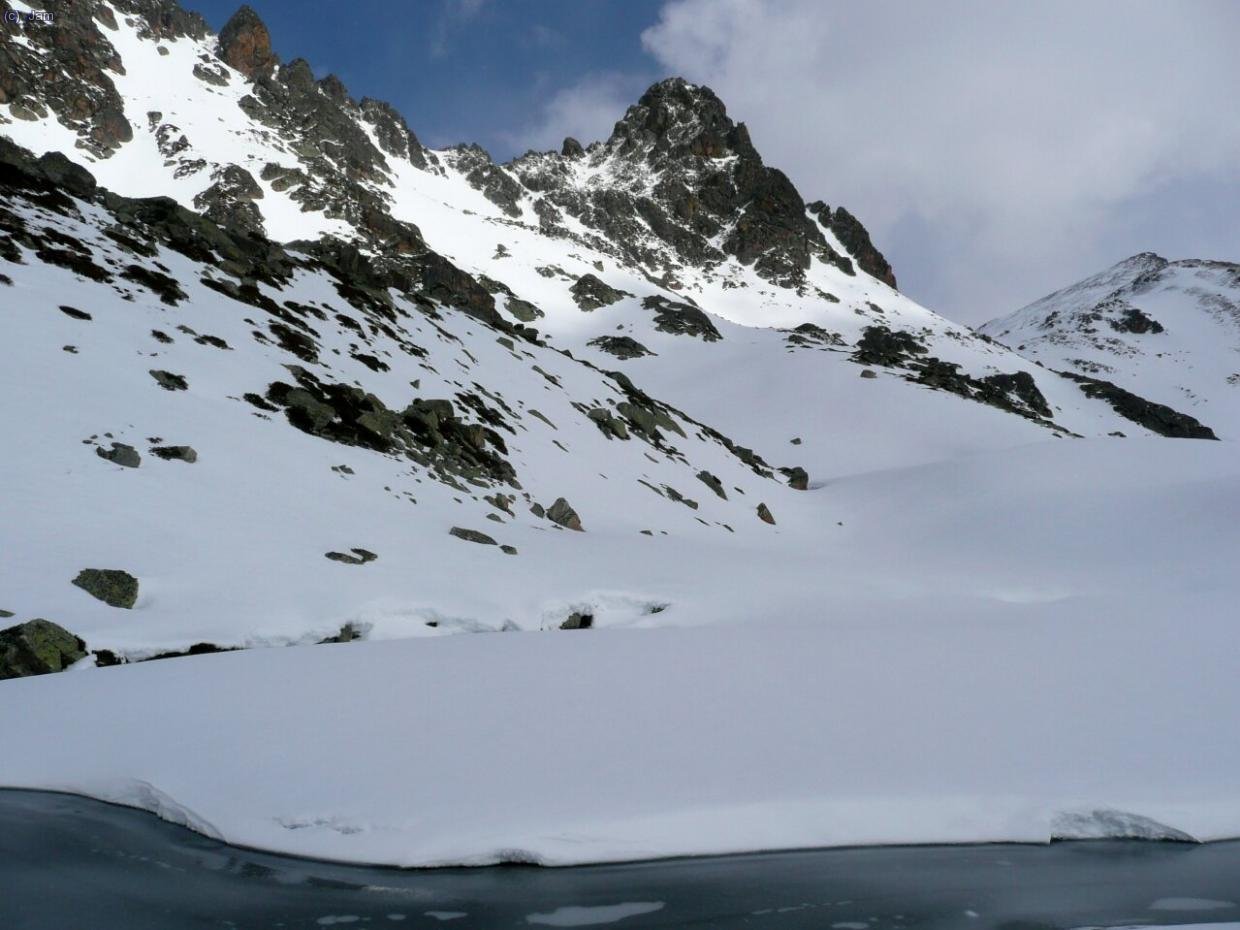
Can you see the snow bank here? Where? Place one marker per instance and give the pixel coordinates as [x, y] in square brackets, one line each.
[564, 748]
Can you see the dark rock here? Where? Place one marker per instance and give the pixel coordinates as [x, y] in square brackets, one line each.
[560, 512]
[610, 425]
[713, 483]
[114, 587]
[176, 453]
[622, 347]
[1136, 321]
[245, 44]
[764, 514]
[169, 381]
[509, 550]
[590, 293]
[75, 313]
[67, 175]
[120, 454]
[229, 201]
[472, 536]
[578, 621]
[681, 319]
[359, 556]
[798, 477]
[571, 148]
[1157, 418]
[879, 345]
[869, 373]
[38, 647]
[523, 310]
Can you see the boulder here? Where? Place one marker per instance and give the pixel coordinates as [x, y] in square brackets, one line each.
[36, 648]
[622, 347]
[169, 381]
[578, 621]
[359, 556]
[472, 536]
[562, 513]
[114, 587]
[176, 453]
[120, 454]
[798, 477]
[764, 514]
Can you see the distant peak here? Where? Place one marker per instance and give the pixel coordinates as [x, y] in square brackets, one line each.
[1145, 258]
[245, 44]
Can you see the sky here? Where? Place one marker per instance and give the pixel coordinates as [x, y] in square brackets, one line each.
[995, 151]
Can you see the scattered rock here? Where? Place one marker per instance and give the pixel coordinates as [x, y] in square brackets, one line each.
[764, 514]
[472, 536]
[37, 647]
[169, 381]
[359, 557]
[114, 587]
[869, 373]
[509, 550]
[120, 454]
[75, 313]
[177, 453]
[560, 512]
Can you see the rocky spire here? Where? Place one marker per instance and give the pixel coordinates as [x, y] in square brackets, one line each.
[245, 44]
[677, 118]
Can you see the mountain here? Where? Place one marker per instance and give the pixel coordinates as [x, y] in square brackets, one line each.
[275, 373]
[1169, 330]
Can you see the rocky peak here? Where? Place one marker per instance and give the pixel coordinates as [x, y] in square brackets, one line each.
[676, 118]
[245, 44]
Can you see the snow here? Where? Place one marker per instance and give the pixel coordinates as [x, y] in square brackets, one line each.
[970, 628]
[1046, 648]
[592, 916]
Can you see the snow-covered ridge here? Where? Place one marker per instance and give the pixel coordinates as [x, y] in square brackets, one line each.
[1168, 330]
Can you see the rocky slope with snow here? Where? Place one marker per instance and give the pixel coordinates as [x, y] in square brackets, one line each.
[277, 374]
[1169, 330]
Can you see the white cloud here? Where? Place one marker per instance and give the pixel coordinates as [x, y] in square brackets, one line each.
[586, 110]
[996, 150]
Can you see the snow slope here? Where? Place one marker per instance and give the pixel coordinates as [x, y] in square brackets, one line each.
[1168, 330]
[1068, 693]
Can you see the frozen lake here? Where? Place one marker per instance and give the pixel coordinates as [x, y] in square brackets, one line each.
[69, 862]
